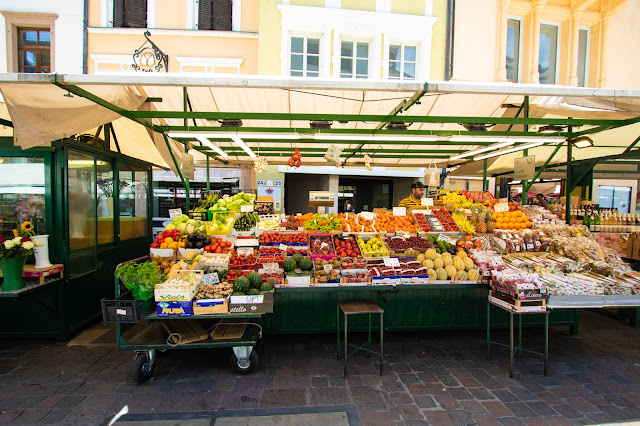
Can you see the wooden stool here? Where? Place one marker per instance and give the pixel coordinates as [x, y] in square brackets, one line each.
[356, 307]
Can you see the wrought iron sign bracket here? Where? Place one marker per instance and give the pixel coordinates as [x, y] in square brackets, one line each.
[149, 57]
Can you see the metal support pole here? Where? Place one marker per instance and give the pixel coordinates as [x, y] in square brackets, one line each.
[511, 344]
[184, 104]
[485, 185]
[346, 347]
[525, 197]
[338, 330]
[208, 180]
[567, 191]
[185, 183]
[546, 343]
[488, 330]
[381, 342]
[187, 190]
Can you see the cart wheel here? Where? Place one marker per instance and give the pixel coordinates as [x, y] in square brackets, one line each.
[141, 371]
[260, 345]
[237, 366]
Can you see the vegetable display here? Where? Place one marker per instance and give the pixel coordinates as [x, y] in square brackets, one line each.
[233, 203]
[323, 223]
[140, 278]
[246, 222]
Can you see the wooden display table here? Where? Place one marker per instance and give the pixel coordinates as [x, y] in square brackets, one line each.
[30, 271]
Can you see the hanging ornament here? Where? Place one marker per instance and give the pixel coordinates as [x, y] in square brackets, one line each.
[260, 164]
[367, 162]
[295, 160]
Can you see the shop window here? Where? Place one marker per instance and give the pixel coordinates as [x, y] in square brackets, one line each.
[513, 50]
[215, 15]
[583, 56]
[22, 193]
[402, 62]
[354, 60]
[305, 57]
[105, 193]
[130, 13]
[133, 202]
[34, 50]
[82, 213]
[615, 197]
[548, 56]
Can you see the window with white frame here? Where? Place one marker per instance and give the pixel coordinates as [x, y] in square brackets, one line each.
[548, 56]
[583, 56]
[305, 57]
[402, 62]
[354, 59]
[513, 50]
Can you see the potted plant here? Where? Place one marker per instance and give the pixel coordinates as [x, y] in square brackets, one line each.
[13, 254]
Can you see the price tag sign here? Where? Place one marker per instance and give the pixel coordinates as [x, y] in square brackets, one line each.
[443, 238]
[367, 215]
[245, 251]
[503, 200]
[426, 202]
[247, 208]
[210, 278]
[391, 262]
[468, 211]
[399, 211]
[501, 207]
[175, 213]
[271, 268]
[298, 214]
[322, 210]
[283, 247]
[323, 245]
[327, 268]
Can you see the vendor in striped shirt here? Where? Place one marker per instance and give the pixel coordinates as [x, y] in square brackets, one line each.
[413, 200]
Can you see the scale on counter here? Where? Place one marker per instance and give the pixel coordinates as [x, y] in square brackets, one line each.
[321, 200]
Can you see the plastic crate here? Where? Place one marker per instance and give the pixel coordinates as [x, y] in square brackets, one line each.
[126, 311]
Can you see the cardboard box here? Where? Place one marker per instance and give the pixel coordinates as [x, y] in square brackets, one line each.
[179, 308]
[210, 306]
[259, 304]
[166, 254]
[168, 293]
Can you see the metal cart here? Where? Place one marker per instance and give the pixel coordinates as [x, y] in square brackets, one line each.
[140, 329]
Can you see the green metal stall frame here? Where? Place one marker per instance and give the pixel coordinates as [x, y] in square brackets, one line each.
[61, 307]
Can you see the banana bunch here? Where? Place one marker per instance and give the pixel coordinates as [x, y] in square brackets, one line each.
[466, 227]
[457, 216]
[453, 198]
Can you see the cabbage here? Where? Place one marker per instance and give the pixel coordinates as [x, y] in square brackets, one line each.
[178, 220]
[182, 227]
[190, 229]
[191, 221]
[170, 227]
[202, 229]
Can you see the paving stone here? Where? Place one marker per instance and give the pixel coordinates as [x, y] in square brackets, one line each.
[424, 401]
[447, 402]
[541, 408]
[7, 416]
[520, 409]
[54, 417]
[459, 393]
[504, 395]
[482, 394]
[473, 407]
[460, 417]
[485, 420]
[328, 396]
[409, 379]
[496, 408]
[410, 412]
[567, 411]
[50, 401]
[366, 398]
[393, 386]
[437, 417]
[319, 382]
[401, 398]
[377, 418]
[510, 421]
[277, 398]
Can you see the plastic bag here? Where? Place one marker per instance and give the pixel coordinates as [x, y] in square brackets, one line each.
[432, 176]
[333, 155]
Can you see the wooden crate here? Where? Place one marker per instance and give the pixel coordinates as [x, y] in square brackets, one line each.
[30, 271]
[229, 329]
[518, 303]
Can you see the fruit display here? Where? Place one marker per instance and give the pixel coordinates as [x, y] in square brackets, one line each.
[291, 223]
[514, 220]
[321, 245]
[197, 241]
[169, 239]
[270, 258]
[356, 277]
[422, 221]
[467, 243]
[353, 263]
[466, 227]
[346, 247]
[485, 224]
[243, 262]
[373, 247]
[218, 245]
[277, 238]
[214, 291]
[164, 264]
[264, 207]
[292, 251]
[323, 223]
[268, 223]
[445, 219]
[246, 222]
[186, 225]
[233, 203]
[323, 277]
[387, 222]
[334, 263]
[236, 273]
[401, 244]
[270, 250]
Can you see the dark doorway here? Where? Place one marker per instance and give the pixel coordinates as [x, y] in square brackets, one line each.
[366, 194]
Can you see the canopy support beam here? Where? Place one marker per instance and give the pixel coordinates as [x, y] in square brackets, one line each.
[115, 139]
[590, 165]
[541, 169]
[630, 147]
[484, 175]
[569, 177]
[185, 183]
[525, 198]
[6, 122]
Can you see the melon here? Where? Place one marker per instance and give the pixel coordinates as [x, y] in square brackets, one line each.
[462, 276]
[461, 253]
[446, 254]
[447, 260]
[438, 263]
[289, 264]
[473, 275]
[451, 271]
[433, 275]
[255, 280]
[430, 254]
[420, 258]
[468, 264]
[458, 263]
[428, 263]
[441, 274]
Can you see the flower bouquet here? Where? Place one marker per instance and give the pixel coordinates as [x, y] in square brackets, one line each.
[13, 254]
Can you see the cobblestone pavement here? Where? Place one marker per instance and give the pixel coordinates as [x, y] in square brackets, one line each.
[435, 377]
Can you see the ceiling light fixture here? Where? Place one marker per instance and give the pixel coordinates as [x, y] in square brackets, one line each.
[320, 124]
[481, 150]
[210, 144]
[551, 128]
[244, 146]
[582, 142]
[507, 151]
[477, 127]
[222, 135]
[230, 123]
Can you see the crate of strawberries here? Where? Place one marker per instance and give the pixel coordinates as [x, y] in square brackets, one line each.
[243, 262]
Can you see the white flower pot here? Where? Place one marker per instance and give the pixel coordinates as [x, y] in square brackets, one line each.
[42, 253]
[110, 205]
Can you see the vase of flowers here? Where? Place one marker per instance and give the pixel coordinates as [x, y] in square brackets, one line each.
[13, 254]
[41, 251]
[106, 186]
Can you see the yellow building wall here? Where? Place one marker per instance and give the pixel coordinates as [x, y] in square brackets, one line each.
[314, 3]
[94, 13]
[250, 16]
[475, 40]
[621, 52]
[413, 7]
[171, 14]
[439, 40]
[270, 38]
[359, 4]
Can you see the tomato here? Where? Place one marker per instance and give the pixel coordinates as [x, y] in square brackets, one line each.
[218, 250]
[207, 248]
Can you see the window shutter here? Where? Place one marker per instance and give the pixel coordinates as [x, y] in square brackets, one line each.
[222, 15]
[118, 13]
[205, 14]
[136, 13]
